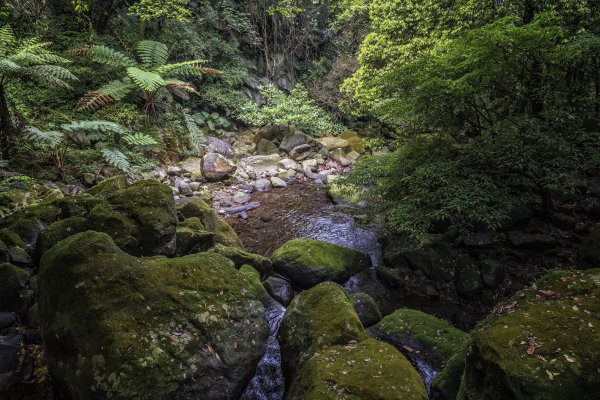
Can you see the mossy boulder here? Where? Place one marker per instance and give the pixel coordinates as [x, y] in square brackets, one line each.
[358, 371]
[224, 234]
[356, 143]
[12, 281]
[589, 252]
[141, 219]
[544, 343]
[108, 186]
[435, 340]
[120, 327]
[4, 255]
[317, 318]
[56, 232]
[366, 308]
[255, 285]
[446, 384]
[241, 257]
[76, 206]
[28, 223]
[193, 238]
[309, 262]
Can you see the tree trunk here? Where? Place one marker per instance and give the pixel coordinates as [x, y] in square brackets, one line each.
[105, 15]
[7, 129]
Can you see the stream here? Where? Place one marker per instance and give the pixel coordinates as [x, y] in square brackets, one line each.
[303, 211]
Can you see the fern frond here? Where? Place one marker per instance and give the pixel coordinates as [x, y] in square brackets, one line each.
[95, 125]
[168, 68]
[7, 38]
[152, 54]
[196, 136]
[111, 92]
[8, 66]
[211, 71]
[51, 74]
[140, 140]
[104, 55]
[148, 81]
[116, 159]
[181, 88]
[186, 71]
[50, 138]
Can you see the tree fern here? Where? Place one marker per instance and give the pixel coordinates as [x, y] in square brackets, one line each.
[50, 138]
[149, 74]
[152, 54]
[117, 159]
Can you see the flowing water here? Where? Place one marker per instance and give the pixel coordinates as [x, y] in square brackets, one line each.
[302, 211]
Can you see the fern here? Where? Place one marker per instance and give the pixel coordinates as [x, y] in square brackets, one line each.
[111, 92]
[50, 138]
[152, 54]
[140, 140]
[107, 56]
[148, 81]
[117, 159]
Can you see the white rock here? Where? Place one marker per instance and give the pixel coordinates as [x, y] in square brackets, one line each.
[278, 182]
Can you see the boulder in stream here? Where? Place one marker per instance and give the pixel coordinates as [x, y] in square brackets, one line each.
[120, 327]
[309, 262]
[543, 343]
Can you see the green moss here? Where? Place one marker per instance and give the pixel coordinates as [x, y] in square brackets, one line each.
[76, 206]
[542, 344]
[309, 262]
[241, 257]
[11, 239]
[447, 383]
[317, 318]
[112, 321]
[56, 232]
[368, 370]
[418, 329]
[29, 222]
[108, 186]
[141, 218]
[12, 282]
[355, 141]
[224, 234]
[254, 283]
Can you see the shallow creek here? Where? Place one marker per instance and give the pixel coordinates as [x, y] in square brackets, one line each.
[302, 211]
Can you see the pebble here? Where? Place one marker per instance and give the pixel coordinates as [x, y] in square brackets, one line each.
[241, 198]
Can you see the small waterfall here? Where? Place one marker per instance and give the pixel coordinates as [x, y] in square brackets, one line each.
[268, 383]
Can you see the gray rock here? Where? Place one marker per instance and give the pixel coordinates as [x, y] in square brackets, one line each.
[7, 319]
[299, 150]
[331, 143]
[195, 186]
[266, 147]
[10, 347]
[293, 140]
[288, 164]
[259, 165]
[280, 289]
[310, 164]
[241, 197]
[215, 145]
[215, 167]
[160, 174]
[174, 171]
[278, 182]
[366, 308]
[183, 187]
[262, 185]
[477, 239]
[19, 257]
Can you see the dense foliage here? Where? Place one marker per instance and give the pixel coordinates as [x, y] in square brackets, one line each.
[487, 113]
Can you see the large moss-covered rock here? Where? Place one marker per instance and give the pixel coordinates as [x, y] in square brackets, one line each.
[446, 384]
[366, 308]
[224, 234]
[543, 344]
[56, 232]
[29, 222]
[255, 285]
[241, 257]
[141, 219]
[317, 318]
[12, 281]
[76, 206]
[435, 339]
[309, 262]
[120, 327]
[193, 238]
[369, 370]
[109, 186]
